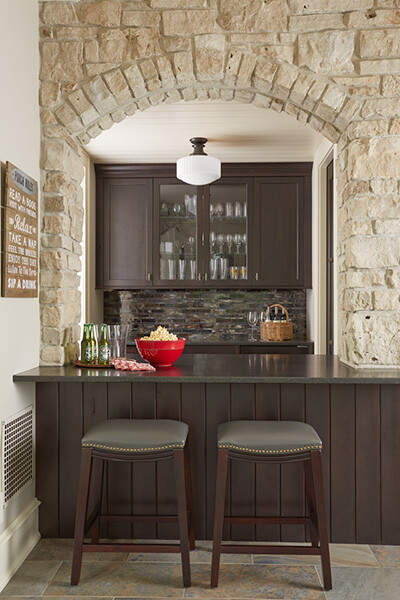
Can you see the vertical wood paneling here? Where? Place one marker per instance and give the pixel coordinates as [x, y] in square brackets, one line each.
[70, 436]
[194, 414]
[343, 464]
[167, 407]
[95, 411]
[217, 411]
[292, 477]
[368, 497]
[390, 463]
[119, 474]
[267, 408]
[317, 415]
[47, 457]
[144, 474]
[242, 486]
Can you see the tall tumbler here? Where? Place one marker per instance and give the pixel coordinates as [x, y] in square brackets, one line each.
[223, 268]
[214, 268]
[118, 340]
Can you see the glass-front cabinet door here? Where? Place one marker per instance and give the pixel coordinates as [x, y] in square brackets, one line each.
[176, 241]
[228, 235]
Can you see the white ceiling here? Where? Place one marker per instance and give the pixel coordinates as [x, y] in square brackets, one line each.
[236, 133]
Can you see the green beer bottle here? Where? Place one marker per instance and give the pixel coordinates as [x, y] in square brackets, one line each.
[86, 351]
[104, 346]
[93, 345]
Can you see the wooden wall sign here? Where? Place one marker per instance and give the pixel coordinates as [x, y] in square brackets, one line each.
[20, 235]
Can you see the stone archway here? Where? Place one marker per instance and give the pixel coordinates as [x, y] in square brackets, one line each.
[141, 69]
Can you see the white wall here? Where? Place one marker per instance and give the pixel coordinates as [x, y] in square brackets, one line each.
[19, 318]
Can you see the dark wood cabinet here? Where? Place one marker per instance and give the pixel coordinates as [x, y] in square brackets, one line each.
[282, 232]
[124, 233]
[149, 232]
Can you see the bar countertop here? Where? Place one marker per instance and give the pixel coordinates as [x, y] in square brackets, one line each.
[210, 368]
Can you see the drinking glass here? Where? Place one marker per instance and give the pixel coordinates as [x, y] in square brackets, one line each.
[178, 209]
[171, 268]
[229, 241]
[182, 268]
[191, 242]
[234, 272]
[213, 239]
[118, 339]
[187, 203]
[223, 268]
[219, 210]
[244, 240]
[192, 269]
[252, 319]
[221, 241]
[238, 209]
[214, 268]
[229, 209]
[212, 210]
[237, 238]
[243, 272]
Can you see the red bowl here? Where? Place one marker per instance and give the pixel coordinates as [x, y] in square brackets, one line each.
[160, 354]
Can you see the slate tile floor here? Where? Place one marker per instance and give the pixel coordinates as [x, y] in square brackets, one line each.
[360, 572]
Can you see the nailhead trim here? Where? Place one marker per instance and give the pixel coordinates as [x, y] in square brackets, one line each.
[87, 444]
[289, 450]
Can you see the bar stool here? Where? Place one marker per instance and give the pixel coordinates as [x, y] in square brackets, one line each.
[132, 440]
[273, 441]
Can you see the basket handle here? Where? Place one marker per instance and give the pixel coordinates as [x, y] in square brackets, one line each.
[280, 305]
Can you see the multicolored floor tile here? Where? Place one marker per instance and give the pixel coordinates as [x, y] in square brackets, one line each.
[387, 556]
[202, 554]
[61, 549]
[352, 583]
[342, 555]
[257, 581]
[119, 579]
[31, 579]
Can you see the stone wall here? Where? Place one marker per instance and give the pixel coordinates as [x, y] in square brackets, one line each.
[331, 64]
[215, 313]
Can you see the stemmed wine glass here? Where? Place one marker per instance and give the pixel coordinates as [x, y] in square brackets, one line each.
[237, 238]
[252, 319]
[221, 241]
[229, 241]
[244, 240]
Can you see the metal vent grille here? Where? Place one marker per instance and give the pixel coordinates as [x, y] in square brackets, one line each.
[17, 452]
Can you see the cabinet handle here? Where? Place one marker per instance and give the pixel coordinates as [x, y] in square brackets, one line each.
[203, 239]
[299, 346]
[199, 276]
[205, 277]
[256, 276]
[148, 276]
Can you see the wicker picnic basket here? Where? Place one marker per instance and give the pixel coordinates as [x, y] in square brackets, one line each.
[278, 331]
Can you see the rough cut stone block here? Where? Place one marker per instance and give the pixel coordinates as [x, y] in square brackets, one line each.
[370, 67]
[166, 72]
[56, 224]
[265, 70]
[98, 93]
[376, 157]
[135, 80]
[82, 106]
[179, 3]
[189, 94]
[62, 61]
[188, 22]
[176, 44]
[183, 63]
[209, 52]
[106, 13]
[246, 70]
[60, 183]
[323, 6]
[253, 15]
[366, 128]
[380, 43]
[58, 13]
[326, 52]
[113, 46]
[93, 69]
[91, 51]
[53, 259]
[49, 93]
[141, 18]
[316, 22]
[142, 42]
[150, 75]
[374, 18]
[371, 252]
[118, 86]
[232, 67]
[73, 33]
[52, 355]
[69, 118]
[381, 107]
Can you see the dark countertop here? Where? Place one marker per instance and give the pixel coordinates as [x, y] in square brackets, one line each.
[212, 368]
[236, 341]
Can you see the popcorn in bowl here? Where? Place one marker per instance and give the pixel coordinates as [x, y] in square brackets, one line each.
[161, 334]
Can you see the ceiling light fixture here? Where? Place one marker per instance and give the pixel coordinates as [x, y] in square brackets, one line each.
[198, 168]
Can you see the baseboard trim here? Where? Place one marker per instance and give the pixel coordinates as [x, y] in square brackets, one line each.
[17, 541]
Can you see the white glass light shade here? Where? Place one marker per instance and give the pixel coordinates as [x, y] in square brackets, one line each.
[198, 169]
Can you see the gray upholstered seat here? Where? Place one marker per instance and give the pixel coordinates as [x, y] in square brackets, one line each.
[136, 435]
[268, 437]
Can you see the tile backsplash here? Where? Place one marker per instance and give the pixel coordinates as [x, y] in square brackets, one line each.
[200, 313]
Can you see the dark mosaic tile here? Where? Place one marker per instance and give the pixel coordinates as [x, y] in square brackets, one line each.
[257, 581]
[119, 579]
[351, 583]
[61, 549]
[31, 579]
[387, 556]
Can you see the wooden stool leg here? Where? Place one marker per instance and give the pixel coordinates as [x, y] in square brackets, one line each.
[189, 501]
[97, 488]
[220, 491]
[179, 464]
[316, 465]
[81, 510]
[310, 501]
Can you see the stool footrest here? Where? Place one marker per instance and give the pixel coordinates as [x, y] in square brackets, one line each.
[261, 549]
[121, 547]
[268, 520]
[140, 518]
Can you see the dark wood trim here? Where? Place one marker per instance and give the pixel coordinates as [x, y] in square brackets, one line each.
[227, 169]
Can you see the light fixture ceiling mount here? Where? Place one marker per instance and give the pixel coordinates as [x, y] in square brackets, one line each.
[198, 168]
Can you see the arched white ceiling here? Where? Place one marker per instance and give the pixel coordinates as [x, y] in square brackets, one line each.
[236, 133]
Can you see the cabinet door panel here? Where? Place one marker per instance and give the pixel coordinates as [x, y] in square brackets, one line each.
[126, 232]
[275, 349]
[282, 231]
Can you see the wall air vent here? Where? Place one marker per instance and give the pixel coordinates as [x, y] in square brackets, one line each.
[17, 452]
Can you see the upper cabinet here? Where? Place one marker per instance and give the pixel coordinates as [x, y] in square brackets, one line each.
[251, 228]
